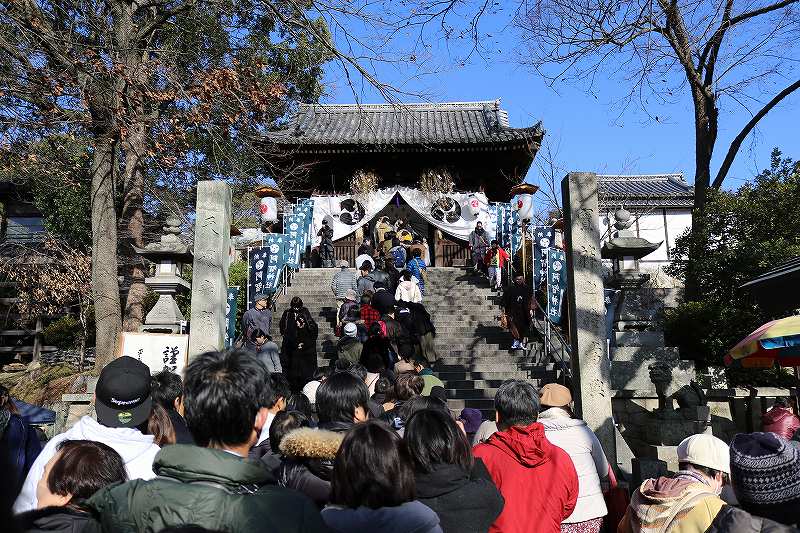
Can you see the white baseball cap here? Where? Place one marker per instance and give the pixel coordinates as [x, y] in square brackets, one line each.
[705, 450]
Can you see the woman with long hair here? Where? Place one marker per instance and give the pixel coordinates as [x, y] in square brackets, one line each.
[299, 348]
[372, 488]
[448, 479]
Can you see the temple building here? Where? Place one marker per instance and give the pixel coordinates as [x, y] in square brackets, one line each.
[437, 167]
[661, 205]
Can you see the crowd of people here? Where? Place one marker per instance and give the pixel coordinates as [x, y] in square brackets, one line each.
[231, 447]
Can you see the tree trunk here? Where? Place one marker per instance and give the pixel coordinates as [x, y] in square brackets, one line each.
[105, 285]
[133, 223]
[706, 118]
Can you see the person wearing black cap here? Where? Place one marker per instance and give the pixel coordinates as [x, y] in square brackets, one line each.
[212, 485]
[123, 405]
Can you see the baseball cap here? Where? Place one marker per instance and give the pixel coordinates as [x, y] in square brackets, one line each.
[123, 393]
[555, 395]
[705, 450]
[350, 329]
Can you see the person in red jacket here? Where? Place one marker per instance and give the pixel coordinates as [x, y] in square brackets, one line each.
[495, 260]
[780, 420]
[536, 478]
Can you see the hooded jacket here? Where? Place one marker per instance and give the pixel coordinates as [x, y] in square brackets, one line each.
[408, 291]
[465, 502]
[683, 504]
[574, 437]
[308, 462]
[733, 520]
[537, 479]
[410, 517]
[137, 451]
[781, 421]
[349, 348]
[213, 489]
[19, 440]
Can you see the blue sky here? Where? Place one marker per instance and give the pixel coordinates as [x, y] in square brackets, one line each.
[588, 130]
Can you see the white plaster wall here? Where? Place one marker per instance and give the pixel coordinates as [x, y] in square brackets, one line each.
[651, 227]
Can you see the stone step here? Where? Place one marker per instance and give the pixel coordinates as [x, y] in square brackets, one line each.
[479, 367]
[467, 375]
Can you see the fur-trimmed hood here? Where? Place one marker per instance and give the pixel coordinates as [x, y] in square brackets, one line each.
[309, 443]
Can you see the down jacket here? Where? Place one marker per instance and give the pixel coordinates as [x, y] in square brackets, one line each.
[574, 437]
[213, 489]
[308, 462]
[781, 421]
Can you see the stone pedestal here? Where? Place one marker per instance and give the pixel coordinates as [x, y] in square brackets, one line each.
[629, 369]
[210, 267]
[590, 364]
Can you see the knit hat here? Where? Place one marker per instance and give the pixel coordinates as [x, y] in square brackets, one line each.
[555, 395]
[765, 474]
[343, 264]
[471, 418]
[350, 329]
[705, 450]
[351, 295]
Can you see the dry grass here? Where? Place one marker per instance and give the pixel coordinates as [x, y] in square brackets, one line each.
[45, 385]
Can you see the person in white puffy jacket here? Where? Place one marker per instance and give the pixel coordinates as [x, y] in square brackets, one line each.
[574, 437]
[123, 405]
[408, 289]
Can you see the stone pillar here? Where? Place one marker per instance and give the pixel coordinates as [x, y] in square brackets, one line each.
[210, 269]
[590, 364]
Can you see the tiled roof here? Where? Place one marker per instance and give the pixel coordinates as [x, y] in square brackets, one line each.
[403, 124]
[789, 268]
[655, 190]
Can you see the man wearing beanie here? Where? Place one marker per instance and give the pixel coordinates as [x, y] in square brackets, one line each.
[349, 347]
[765, 475]
[688, 502]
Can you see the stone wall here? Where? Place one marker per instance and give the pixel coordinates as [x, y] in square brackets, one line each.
[732, 411]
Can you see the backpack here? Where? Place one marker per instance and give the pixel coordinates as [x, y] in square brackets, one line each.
[398, 256]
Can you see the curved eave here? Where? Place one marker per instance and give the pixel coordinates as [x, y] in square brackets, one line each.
[508, 139]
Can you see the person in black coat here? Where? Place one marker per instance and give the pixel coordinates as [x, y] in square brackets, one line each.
[299, 348]
[449, 479]
[309, 453]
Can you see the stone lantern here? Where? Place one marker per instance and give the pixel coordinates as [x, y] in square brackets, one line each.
[625, 249]
[169, 255]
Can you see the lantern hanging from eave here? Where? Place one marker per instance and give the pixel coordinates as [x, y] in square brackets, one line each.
[471, 207]
[268, 210]
[524, 206]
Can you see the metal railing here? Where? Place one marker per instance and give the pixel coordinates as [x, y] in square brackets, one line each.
[554, 347]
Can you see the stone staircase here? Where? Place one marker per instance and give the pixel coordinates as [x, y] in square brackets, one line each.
[474, 352]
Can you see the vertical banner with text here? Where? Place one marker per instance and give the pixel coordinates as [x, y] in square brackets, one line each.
[265, 266]
[292, 228]
[556, 283]
[542, 240]
[231, 307]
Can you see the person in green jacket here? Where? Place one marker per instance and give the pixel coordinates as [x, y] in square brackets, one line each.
[213, 485]
[427, 375]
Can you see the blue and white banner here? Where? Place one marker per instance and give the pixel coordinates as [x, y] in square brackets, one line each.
[292, 228]
[509, 228]
[542, 240]
[305, 209]
[231, 307]
[556, 283]
[265, 265]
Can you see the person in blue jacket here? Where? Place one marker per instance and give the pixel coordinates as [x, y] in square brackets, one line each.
[18, 439]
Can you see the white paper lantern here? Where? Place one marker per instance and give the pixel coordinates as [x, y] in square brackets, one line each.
[525, 206]
[471, 207]
[268, 208]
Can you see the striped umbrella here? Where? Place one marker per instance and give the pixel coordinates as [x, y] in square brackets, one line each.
[774, 342]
